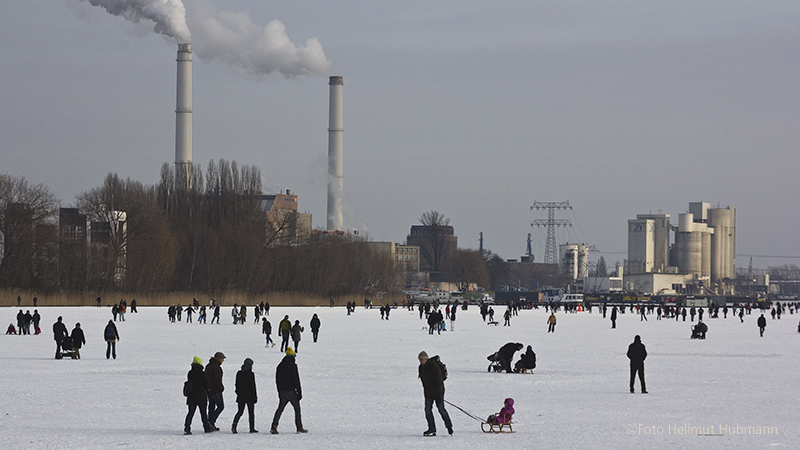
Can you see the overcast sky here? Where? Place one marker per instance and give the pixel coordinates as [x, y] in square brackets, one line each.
[475, 109]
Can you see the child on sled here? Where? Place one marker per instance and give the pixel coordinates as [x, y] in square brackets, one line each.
[505, 414]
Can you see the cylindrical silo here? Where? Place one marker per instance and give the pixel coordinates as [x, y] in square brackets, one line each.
[705, 253]
[335, 156]
[583, 261]
[722, 255]
[183, 118]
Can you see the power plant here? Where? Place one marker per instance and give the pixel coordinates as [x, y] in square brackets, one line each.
[702, 259]
[335, 163]
[183, 119]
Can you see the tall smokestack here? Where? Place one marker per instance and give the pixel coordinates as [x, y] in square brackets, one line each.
[183, 119]
[335, 164]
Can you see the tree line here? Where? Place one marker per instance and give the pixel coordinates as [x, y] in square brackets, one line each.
[212, 235]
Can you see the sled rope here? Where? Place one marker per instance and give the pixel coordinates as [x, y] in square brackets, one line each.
[465, 412]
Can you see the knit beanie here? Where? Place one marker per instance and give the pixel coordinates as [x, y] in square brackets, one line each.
[197, 360]
[422, 355]
[248, 364]
[289, 351]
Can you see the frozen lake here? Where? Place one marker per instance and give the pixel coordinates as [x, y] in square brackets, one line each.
[360, 386]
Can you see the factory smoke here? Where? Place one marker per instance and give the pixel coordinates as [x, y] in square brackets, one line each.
[169, 16]
[226, 36]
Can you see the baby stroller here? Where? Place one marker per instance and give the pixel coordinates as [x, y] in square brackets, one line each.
[496, 363]
[67, 349]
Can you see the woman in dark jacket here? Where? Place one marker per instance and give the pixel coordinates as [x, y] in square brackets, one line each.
[315, 327]
[78, 340]
[296, 330]
[527, 361]
[197, 395]
[246, 395]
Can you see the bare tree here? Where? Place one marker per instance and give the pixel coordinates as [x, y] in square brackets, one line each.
[436, 239]
[25, 210]
[465, 267]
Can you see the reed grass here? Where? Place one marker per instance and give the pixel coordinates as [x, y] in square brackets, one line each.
[8, 297]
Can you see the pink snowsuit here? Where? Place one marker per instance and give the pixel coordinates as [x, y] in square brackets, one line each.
[504, 416]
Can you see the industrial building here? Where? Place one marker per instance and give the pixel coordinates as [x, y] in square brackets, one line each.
[285, 225]
[701, 259]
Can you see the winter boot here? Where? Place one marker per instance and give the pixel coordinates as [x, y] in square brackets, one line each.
[233, 428]
[302, 430]
[273, 430]
[429, 433]
[253, 430]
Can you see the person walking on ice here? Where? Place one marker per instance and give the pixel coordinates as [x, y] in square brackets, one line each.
[246, 395]
[111, 336]
[287, 380]
[266, 328]
[552, 323]
[637, 354]
[433, 388]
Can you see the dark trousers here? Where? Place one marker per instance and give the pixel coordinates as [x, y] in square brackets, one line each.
[58, 347]
[640, 370]
[285, 397]
[187, 424]
[215, 406]
[250, 413]
[443, 412]
[315, 334]
[284, 341]
[111, 349]
[551, 328]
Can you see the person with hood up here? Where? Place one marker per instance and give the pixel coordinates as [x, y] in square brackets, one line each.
[315, 327]
[637, 354]
[196, 397]
[287, 380]
[246, 395]
[78, 340]
[526, 361]
[505, 415]
[296, 330]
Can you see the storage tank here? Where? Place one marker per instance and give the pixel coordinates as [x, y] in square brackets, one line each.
[705, 263]
[689, 251]
[723, 257]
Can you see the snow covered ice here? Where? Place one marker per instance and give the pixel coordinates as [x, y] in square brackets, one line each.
[360, 386]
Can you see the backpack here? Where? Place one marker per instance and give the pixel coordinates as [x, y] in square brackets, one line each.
[109, 332]
[187, 388]
[441, 365]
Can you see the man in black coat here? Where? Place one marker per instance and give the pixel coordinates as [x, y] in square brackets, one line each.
[614, 317]
[246, 395]
[762, 324]
[637, 354]
[215, 401]
[506, 354]
[197, 396]
[433, 387]
[59, 333]
[287, 380]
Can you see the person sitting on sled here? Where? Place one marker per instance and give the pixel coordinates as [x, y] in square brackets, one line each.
[505, 414]
[11, 329]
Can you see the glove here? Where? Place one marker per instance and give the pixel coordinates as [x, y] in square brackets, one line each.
[299, 395]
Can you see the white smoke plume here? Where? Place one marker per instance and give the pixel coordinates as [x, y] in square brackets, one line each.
[169, 16]
[231, 37]
[227, 36]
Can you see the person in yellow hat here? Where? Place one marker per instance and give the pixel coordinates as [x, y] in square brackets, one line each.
[287, 380]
